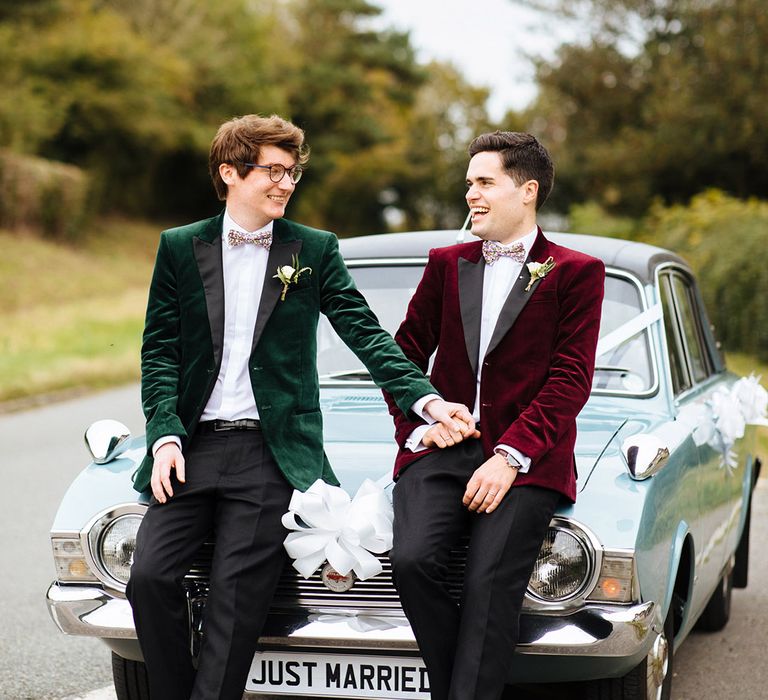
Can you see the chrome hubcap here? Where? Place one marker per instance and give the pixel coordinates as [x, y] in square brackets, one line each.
[658, 666]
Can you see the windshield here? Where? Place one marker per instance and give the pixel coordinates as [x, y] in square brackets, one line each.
[625, 368]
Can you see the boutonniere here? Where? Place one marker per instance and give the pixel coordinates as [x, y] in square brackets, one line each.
[539, 271]
[289, 274]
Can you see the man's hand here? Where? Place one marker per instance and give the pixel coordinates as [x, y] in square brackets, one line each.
[167, 457]
[489, 484]
[441, 436]
[456, 418]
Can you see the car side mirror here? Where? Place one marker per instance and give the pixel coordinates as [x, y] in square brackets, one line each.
[106, 439]
[645, 455]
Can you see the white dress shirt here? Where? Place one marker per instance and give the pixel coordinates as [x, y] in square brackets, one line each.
[244, 269]
[498, 280]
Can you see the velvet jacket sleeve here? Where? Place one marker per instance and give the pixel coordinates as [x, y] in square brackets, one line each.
[160, 351]
[418, 337]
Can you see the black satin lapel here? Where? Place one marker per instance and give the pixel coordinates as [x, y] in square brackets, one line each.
[514, 304]
[208, 256]
[279, 254]
[471, 303]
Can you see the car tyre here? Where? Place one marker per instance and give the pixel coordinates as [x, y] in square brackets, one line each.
[651, 679]
[718, 611]
[130, 678]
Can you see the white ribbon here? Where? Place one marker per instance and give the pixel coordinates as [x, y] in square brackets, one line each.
[628, 330]
[723, 418]
[327, 524]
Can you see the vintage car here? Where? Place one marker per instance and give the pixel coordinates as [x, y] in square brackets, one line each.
[656, 541]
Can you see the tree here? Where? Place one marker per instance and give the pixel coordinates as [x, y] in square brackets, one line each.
[663, 100]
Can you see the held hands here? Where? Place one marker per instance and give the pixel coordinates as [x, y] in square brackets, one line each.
[167, 457]
[454, 424]
[489, 484]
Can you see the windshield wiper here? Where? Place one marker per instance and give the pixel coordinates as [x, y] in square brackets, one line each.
[611, 368]
[355, 375]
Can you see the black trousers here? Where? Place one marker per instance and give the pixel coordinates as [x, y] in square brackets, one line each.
[466, 648]
[235, 490]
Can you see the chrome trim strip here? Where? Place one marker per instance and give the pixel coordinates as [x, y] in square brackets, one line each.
[594, 630]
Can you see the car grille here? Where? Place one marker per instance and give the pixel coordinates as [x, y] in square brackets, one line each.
[293, 591]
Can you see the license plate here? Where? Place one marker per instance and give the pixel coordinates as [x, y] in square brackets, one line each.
[338, 676]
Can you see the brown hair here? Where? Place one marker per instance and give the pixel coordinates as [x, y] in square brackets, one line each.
[522, 157]
[239, 141]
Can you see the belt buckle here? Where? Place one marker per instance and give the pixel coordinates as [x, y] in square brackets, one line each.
[220, 426]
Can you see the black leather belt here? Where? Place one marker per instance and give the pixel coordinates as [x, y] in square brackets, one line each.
[220, 426]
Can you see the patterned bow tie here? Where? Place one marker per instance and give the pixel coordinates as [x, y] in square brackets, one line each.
[264, 239]
[493, 250]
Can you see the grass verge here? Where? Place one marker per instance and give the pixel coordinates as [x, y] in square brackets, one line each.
[71, 317]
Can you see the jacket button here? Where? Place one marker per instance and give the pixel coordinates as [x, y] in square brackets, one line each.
[265, 407]
[258, 369]
[486, 364]
[486, 405]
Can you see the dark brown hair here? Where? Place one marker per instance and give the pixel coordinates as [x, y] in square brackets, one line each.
[522, 157]
[240, 140]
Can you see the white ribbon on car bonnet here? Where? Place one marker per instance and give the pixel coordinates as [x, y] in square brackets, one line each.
[326, 524]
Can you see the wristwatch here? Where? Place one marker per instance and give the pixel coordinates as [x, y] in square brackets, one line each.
[512, 461]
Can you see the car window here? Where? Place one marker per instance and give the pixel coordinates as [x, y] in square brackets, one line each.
[626, 368]
[678, 367]
[685, 324]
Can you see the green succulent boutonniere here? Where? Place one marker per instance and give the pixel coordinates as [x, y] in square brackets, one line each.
[289, 274]
[539, 271]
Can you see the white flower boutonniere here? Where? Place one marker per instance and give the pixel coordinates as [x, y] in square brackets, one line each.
[289, 274]
[539, 271]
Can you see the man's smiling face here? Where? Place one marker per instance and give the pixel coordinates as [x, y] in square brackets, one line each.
[255, 194]
[501, 210]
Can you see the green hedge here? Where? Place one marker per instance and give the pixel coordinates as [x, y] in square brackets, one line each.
[725, 240]
[46, 197]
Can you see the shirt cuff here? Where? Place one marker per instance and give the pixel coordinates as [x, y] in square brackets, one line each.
[164, 441]
[418, 408]
[414, 443]
[525, 462]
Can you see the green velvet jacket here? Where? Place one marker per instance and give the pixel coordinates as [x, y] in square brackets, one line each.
[184, 336]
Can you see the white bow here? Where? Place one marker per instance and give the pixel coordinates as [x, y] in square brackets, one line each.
[721, 420]
[327, 525]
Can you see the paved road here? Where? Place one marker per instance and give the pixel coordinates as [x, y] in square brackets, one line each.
[41, 451]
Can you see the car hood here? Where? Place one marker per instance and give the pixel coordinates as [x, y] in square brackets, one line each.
[359, 433]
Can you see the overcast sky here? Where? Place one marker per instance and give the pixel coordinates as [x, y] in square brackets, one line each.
[486, 39]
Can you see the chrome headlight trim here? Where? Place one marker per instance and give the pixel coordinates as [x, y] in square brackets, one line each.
[594, 555]
[92, 535]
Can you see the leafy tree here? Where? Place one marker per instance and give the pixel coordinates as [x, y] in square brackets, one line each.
[351, 89]
[664, 99]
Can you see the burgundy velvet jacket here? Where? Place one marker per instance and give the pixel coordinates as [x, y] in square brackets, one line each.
[537, 371]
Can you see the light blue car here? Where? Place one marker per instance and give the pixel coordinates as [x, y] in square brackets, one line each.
[656, 541]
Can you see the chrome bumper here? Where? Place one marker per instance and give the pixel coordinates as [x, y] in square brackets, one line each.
[593, 630]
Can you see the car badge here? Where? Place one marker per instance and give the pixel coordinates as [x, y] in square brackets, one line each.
[336, 582]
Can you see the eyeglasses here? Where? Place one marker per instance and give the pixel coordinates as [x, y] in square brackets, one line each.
[277, 171]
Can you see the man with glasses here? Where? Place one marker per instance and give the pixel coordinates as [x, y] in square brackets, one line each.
[230, 393]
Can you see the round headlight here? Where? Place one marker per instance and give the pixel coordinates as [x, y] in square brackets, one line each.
[117, 545]
[562, 568]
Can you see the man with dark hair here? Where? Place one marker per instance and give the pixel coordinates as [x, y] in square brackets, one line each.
[514, 322]
[230, 393]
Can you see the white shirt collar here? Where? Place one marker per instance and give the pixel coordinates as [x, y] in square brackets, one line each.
[229, 223]
[527, 240]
